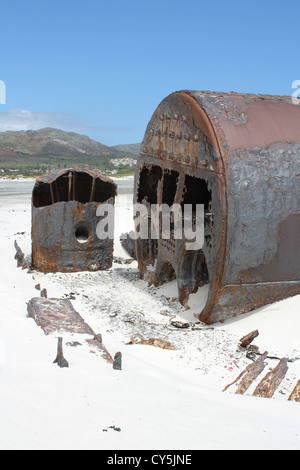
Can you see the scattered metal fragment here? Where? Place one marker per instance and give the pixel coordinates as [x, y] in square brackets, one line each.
[295, 395]
[253, 351]
[117, 364]
[44, 292]
[60, 360]
[129, 244]
[96, 341]
[238, 155]
[20, 257]
[64, 221]
[247, 339]
[115, 428]
[73, 344]
[178, 324]
[159, 343]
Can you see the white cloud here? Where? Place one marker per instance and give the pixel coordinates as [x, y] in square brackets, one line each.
[18, 119]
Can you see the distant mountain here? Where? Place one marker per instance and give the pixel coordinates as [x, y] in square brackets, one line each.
[50, 141]
[38, 151]
[7, 152]
[132, 148]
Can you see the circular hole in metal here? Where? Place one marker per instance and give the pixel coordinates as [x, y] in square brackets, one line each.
[82, 233]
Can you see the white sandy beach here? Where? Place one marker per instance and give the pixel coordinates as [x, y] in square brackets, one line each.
[161, 399]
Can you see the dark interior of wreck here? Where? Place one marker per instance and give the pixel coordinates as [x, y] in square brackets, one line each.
[72, 186]
[158, 186]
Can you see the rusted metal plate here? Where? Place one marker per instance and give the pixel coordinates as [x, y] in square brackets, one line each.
[238, 155]
[58, 315]
[54, 315]
[64, 221]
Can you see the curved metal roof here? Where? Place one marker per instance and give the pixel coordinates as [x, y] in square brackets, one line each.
[52, 175]
[249, 120]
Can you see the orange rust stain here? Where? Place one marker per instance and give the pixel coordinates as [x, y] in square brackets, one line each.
[268, 122]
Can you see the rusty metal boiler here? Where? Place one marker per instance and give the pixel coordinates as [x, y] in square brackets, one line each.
[239, 156]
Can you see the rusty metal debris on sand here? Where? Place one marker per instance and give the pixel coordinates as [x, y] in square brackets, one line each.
[64, 221]
[157, 342]
[60, 360]
[58, 315]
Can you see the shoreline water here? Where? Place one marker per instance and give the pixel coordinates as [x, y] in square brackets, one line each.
[30, 178]
[22, 188]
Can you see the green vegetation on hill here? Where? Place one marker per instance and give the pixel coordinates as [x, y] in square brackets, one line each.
[131, 148]
[30, 153]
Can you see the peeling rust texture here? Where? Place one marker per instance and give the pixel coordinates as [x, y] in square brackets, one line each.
[54, 315]
[58, 315]
[238, 154]
[64, 221]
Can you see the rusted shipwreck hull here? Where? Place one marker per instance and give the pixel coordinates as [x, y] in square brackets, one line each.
[238, 154]
[64, 221]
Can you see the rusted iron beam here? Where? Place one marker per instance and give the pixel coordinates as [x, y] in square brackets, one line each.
[92, 190]
[60, 360]
[70, 186]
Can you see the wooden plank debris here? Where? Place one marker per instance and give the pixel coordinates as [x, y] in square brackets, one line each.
[268, 385]
[252, 374]
[249, 374]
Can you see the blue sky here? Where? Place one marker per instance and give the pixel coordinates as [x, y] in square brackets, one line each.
[101, 68]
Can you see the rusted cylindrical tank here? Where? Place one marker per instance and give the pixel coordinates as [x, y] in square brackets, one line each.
[64, 221]
[238, 155]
